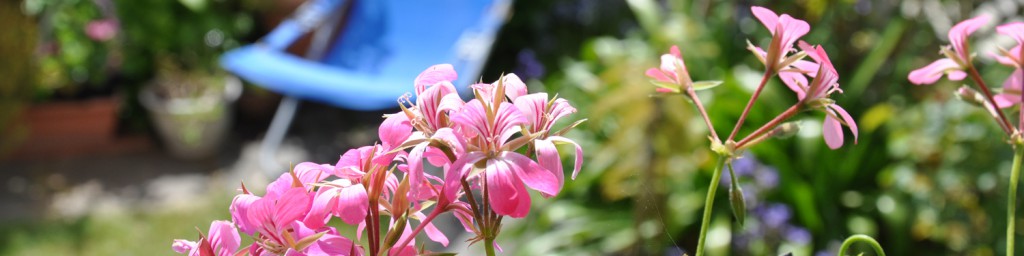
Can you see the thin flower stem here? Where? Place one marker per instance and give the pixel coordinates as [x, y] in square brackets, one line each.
[860, 238]
[489, 246]
[703, 113]
[716, 177]
[753, 137]
[423, 223]
[739, 123]
[1004, 122]
[1011, 204]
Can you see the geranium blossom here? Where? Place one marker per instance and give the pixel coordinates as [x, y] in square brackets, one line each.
[957, 59]
[785, 30]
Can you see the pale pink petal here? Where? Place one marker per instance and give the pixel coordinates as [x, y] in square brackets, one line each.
[353, 204]
[532, 107]
[350, 164]
[455, 142]
[1008, 60]
[531, 173]
[182, 246]
[796, 82]
[579, 153]
[956, 75]
[547, 156]
[433, 75]
[394, 130]
[792, 29]
[1013, 29]
[766, 16]
[931, 73]
[1006, 100]
[559, 108]
[514, 87]
[833, 132]
[224, 238]
[959, 33]
[434, 102]
[847, 119]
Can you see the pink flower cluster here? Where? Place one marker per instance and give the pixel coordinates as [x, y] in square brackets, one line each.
[958, 65]
[494, 146]
[813, 81]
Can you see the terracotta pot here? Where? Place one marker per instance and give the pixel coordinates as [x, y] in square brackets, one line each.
[67, 128]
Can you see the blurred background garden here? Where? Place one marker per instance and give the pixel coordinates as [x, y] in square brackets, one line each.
[86, 168]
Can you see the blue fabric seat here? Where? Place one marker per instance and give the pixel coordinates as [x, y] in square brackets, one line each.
[374, 59]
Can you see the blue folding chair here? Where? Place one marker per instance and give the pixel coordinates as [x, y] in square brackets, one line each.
[372, 61]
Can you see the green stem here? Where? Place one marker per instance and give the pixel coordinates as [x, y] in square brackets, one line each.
[1011, 204]
[861, 238]
[716, 177]
[489, 246]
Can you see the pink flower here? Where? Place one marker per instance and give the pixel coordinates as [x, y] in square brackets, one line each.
[671, 76]
[956, 60]
[505, 171]
[1011, 93]
[826, 82]
[785, 30]
[101, 30]
[223, 240]
[541, 115]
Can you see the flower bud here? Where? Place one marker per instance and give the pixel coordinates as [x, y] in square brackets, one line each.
[739, 205]
[971, 96]
[786, 130]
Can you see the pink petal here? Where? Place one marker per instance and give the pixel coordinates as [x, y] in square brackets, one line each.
[657, 74]
[435, 101]
[353, 204]
[432, 232]
[847, 119]
[532, 106]
[956, 75]
[293, 205]
[1013, 29]
[1008, 60]
[767, 17]
[833, 132]
[453, 178]
[1006, 100]
[239, 212]
[531, 173]
[514, 87]
[931, 73]
[337, 245]
[506, 121]
[433, 75]
[579, 153]
[792, 30]
[224, 238]
[394, 130]
[416, 168]
[324, 203]
[506, 190]
[261, 215]
[674, 50]
[350, 164]
[796, 82]
[959, 33]
[547, 156]
[182, 246]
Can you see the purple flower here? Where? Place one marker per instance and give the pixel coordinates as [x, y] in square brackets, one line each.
[797, 235]
[774, 215]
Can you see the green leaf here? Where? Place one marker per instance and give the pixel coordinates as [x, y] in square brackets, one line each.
[703, 85]
[667, 85]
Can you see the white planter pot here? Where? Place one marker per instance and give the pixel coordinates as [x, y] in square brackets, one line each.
[193, 128]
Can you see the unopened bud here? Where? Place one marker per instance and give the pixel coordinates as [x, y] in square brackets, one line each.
[739, 205]
[971, 96]
[786, 130]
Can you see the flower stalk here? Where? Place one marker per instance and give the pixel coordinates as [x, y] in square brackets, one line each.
[863, 239]
[709, 203]
[1011, 203]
